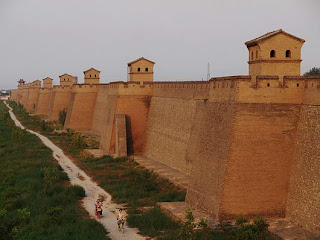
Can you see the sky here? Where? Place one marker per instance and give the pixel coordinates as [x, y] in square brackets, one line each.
[47, 38]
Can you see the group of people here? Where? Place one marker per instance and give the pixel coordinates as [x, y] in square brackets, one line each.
[120, 216]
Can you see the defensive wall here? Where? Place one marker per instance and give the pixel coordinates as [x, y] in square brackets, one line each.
[43, 104]
[170, 121]
[32, 99]
[259, 150]
[19, 93]
[25, 94]
[60, 100]
[129, 98]
[81, 107]
[14, 95]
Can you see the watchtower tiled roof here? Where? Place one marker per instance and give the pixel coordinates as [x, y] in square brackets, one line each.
[142, 58]
[268, 35]
[91, 69]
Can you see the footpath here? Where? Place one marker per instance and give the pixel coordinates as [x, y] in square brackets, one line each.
[93, 191]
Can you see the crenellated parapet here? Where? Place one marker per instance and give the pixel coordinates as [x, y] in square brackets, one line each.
[184, 89]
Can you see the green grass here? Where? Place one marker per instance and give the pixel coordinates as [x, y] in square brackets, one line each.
[154, 223]
[36, 200]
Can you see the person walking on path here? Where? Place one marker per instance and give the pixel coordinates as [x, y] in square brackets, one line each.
[98, 206]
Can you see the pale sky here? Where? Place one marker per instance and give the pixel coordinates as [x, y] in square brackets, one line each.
[41, 38]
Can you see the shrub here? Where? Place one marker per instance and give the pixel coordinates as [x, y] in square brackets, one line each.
[187, 230]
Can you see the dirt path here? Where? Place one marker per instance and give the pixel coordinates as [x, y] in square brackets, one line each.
[93, 191]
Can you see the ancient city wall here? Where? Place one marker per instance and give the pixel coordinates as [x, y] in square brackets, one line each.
[25, 95]
[32, 101]
[170, 122]
[304, 192]
[260, 157]
[259, 130]
[81, 107]
[14, 95]
[184, 89]
[100, 109]
[60, 99]
[208, 150]
[43, 101]
[19, 94]
[131, 99]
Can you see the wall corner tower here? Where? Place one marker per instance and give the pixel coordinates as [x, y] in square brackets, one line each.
[275, 53]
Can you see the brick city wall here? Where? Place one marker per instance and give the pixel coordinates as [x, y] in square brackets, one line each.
[260, 158]
[131, 99]
[60, 100]
[14, 95]
[42, 107]
[208, 150]
[304, 192]
[32, 101]
[168, 131]
[24, 97]
[81, 107]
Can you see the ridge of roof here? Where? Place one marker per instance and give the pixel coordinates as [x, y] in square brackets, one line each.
[91, 69]
[66, 74]
[141, 58]
[271, 34]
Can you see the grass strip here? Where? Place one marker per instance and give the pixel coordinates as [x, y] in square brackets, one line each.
[36, 199]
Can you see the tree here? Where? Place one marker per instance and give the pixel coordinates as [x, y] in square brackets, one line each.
[313, 71]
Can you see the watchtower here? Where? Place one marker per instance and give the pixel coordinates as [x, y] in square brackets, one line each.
[67, 80]
[92, 76]
[140, 70]
[47, 82]
[21, 82]
[275, 53]
[36, 84]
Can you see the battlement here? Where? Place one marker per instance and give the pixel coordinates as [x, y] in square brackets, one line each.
[182, 89]
[85, 88]
[59, 88]
[265, 89]
[44, 90]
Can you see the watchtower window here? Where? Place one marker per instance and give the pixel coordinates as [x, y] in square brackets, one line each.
[288, 54]
[298, 84]
[268, 84]
[272, 53]
[147, 69]
[95, 75]
[138, 69]
[90, 75]
[251, 55]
